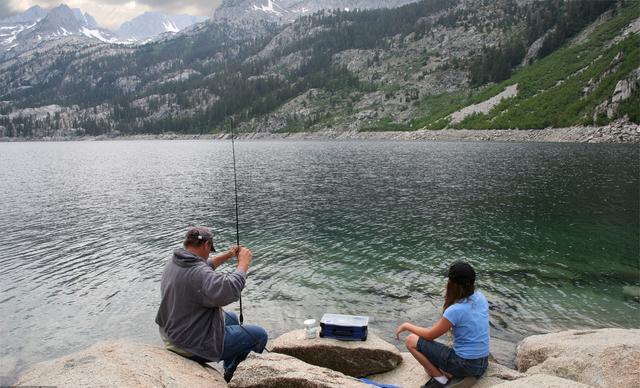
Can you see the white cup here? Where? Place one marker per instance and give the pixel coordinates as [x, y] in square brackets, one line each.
[310, 328]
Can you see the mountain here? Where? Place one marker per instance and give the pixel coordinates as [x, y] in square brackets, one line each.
[31, 15]
[24, 30]
[37, 24]
[84, 18]
[286, 11]
[64, 21]
[150, 24]
[430, 64]
[10, 27]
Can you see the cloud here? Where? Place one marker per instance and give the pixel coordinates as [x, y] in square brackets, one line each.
[5, 10]
[112, 13]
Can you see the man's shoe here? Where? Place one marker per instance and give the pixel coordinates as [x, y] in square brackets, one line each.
[433, 383]
[461, 382]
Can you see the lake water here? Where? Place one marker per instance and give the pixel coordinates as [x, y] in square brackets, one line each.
[345, 227]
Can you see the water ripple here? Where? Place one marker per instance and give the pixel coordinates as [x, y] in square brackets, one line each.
[352, 227]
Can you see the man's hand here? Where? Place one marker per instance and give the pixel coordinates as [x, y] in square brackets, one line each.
[233, 250]
[223, 257]
[244, 259]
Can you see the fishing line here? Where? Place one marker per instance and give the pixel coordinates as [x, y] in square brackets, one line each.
[235, 188]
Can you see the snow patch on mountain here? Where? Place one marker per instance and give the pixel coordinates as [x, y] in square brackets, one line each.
[9, 34]
[98, 35]
[269, 8]
[152, 24]
[170, 27]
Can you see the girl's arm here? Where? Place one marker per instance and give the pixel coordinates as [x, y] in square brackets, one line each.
[428, 333]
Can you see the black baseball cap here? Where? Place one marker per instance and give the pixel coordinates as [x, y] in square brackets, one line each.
[461, 270]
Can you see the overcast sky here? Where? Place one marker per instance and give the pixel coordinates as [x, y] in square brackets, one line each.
[112, 13]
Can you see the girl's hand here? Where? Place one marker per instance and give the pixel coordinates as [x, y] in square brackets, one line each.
[400, 329]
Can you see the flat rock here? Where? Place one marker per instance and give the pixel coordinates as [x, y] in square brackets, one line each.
[121, 364]
[409, 374]
[275, 370]
[600, 358]
[541, 381]
[497, 374]
[353, 358]
[503, 352]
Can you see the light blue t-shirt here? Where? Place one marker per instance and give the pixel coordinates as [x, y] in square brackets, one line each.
[470, 320]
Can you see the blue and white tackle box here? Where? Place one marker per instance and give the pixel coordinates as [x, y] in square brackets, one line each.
[344, 327]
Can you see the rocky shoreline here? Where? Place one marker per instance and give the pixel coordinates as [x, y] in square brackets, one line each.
[572, 358]
[616, 132]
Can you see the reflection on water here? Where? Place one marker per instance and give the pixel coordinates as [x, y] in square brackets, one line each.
[349, 227]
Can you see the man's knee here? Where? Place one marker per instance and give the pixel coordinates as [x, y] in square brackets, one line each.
[262, 336]
[230, 318]
[411, 342]
[258, 336]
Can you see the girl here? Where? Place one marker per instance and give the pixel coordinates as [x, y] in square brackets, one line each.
[466, 313]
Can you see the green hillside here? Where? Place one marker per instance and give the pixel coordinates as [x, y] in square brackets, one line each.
[550, 91]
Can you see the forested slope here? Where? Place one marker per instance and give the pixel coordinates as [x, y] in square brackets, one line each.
[386, 69]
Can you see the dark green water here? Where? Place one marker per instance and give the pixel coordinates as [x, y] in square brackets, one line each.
[344, 227]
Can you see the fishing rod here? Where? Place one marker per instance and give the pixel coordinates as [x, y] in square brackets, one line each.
[235, 188]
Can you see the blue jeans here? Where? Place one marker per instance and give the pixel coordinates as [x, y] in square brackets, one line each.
[446, 359]
[239, 341]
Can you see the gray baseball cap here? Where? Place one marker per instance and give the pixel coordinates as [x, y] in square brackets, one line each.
[198, 233]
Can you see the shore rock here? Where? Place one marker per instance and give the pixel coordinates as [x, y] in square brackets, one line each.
[353, 358]
[281, 371]
[121, 364]
[620, 131]
[600, 358]
[409, 374]
[503, 352]
[541, 381]
[497, 374]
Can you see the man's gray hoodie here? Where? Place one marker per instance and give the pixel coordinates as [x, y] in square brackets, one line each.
[190, 314]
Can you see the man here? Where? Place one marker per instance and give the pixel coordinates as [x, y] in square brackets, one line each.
[192, 322]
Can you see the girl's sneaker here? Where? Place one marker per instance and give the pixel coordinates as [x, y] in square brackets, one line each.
[461, 382]
[433, 383]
